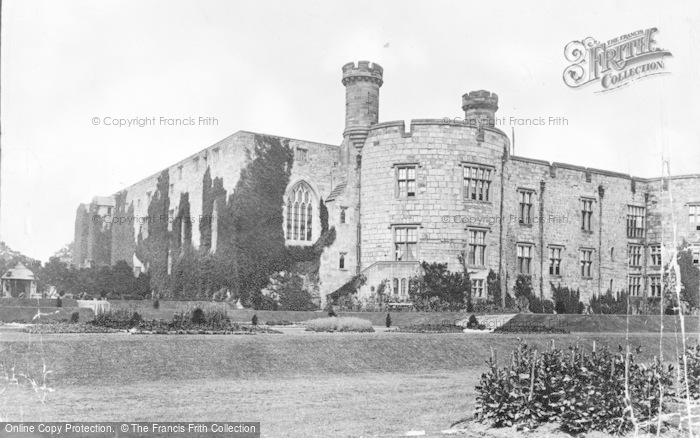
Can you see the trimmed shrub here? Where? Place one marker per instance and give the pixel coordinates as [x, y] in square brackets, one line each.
[388, 320]
[473, 322]
[336, 324]
[254, 321]
[198, 316]
[156, 304]
[568, 301]
[74, 317]
[609, 304]
[135, 319]
[515, 327]
[282, 322]
[58, 302]
[582, 392]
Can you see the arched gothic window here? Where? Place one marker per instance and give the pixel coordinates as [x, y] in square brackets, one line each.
[300, 206]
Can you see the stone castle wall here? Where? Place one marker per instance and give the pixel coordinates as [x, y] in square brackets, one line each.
[225, 159]
[438, 209]
[358, 181]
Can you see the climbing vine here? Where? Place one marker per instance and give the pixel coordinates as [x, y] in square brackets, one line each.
[153, 242]
[250, 247]
[123, 245]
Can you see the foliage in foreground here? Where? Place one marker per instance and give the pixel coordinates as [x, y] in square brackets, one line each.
[582, 392]
[339, 324]
[693, 359]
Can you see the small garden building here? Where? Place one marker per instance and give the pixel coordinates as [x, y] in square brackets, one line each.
[19, 282]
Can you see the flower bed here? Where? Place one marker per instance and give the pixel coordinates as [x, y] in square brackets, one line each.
[511, 327]
[343, 324]
[429, 328]
[235, 330]
[580, 391]
[59, 328]
[283, 322]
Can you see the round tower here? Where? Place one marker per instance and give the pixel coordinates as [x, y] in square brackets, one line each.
[480, 108]
[362, 84]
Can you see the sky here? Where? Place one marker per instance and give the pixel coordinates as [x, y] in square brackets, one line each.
[275, 67]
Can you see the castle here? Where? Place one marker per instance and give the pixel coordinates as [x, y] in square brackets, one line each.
[399, 196]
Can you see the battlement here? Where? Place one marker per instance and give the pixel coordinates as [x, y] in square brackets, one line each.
[363, 72]
[480, 99]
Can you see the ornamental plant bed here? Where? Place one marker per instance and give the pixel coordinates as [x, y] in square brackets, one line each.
[60, 328]
[429, 328]
[339, 324]
[283, 322]
[524, 328]
[602, 391]
[240, 331]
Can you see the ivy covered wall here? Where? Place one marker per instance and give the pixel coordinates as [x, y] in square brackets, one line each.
[228, 243]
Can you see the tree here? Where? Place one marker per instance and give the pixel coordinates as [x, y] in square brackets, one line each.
[65, 254]
[254, 218]
[462, 257]
[690, 278]
[123, 281]
[440, 289]
[58, 274]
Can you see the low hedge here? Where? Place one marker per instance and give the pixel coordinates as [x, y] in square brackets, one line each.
[336, 324]
[62, 327]
[48, 314]
[429, 328]
[37, 302]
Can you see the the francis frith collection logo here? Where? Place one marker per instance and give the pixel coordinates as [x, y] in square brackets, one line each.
[615, 63]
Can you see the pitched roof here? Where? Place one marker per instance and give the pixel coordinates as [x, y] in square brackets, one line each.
[19, 272]
[336, 191]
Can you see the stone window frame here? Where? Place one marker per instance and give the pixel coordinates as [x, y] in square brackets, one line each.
[485, 260]
[532, 192]
[195, 160]
[655, 255]
[342, 259]
[393, 228]
[343, 215]
[179, 173]
[695, 251]
[586, 215]
[635, 255]
[292, 224]
[634, 288]
[519, 254]
[655, 286]
[552, 250]
[216, 155]
[585, 257]
[397, 170]
[478, 285]
[479, 167]
[301, 155]
[694, 215]
[636, 223]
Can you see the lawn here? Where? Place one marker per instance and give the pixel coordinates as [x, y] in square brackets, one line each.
[324, 385]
